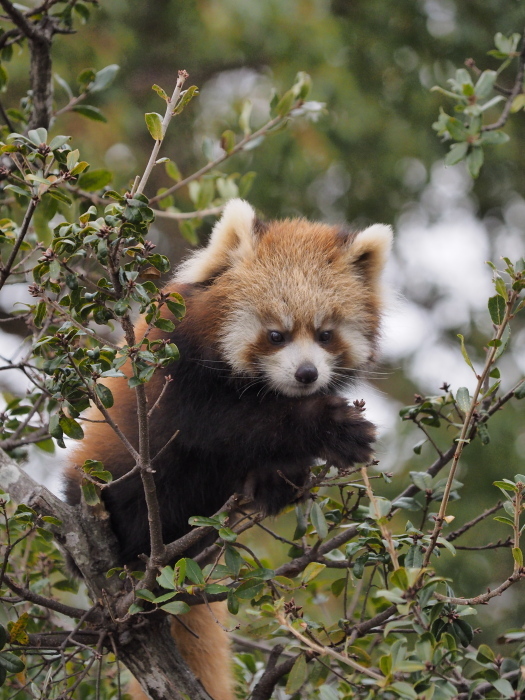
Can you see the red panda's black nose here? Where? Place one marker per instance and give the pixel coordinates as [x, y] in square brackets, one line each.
[307, 373]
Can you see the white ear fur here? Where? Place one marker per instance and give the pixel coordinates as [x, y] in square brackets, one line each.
[231, 239]
[372, 246]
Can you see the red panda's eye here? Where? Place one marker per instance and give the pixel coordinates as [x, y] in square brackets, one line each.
[325, 336]
[275, 337]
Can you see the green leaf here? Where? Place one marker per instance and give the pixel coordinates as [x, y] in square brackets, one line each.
[38, 136]
[79, 168]
[165, 324]
[173, 171]
[185, 99]
[313, 570]
[71, 428]
[54, 427]
[94, 180]
[485, 83]
[483, 433]
[166, 578]
[485, 654]
[244, 119]
[463, 631]
[286, 103]
[154, 124]
[465, 353]
[135, 608]
[11, 663]
[233, 560]
[519, 392]
[82, 11]
[233, 603]
[227, 535]
[501, 288]
[297, 676]
[193, 571]
[505, 337]
[228, 141]
[160, 92]
[319, 521]
[456, 129]
[497, 308]
[46, 446]
[90, 493]
[404, 690]
[463, 399]
[104, 78]
[517, 555]
[60, 195]
[518, 103]
[177, 607]
[448, 545]
[503, 686]
[475, 161]
[422, 480]
[40, 313]
[249, 589]
[457, 152]
[58, 141]
[3, 636]
[199, 521]
[90, 112]
[63, 85]
[414, 557]
[494, 138]
[105, 395]
[399, 579]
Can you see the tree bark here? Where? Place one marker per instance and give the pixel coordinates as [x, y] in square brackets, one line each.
[149, 652]
[41, 76]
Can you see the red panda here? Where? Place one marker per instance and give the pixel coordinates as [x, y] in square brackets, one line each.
[281, 316]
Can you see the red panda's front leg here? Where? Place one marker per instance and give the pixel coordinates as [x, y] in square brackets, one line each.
[346, 437]
[323, 427]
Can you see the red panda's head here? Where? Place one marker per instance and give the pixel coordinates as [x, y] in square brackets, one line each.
[299, 302]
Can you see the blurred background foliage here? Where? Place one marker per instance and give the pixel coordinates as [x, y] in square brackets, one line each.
[371, 156]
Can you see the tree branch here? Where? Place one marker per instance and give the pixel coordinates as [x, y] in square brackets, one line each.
[172, 103]
[5, 270]
[483, 598]
[273, 674]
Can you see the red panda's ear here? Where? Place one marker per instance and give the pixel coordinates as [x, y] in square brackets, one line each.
[232, 238]
[368, 251]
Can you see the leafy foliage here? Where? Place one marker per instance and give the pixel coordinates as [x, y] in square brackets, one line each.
[395, 627]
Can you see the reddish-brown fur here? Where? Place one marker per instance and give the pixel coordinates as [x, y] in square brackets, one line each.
[243, 417]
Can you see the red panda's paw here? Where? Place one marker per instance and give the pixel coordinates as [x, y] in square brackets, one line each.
[349, 437]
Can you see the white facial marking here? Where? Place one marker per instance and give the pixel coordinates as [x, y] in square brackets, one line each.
[280, 367]
[359, 347]
[242, 329]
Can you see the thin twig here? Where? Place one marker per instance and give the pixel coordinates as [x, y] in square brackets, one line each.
[32, 597]
[463, 437]
[323, 650]
[5, 270]
[182, 215]
[172, 103]
[483, 597]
